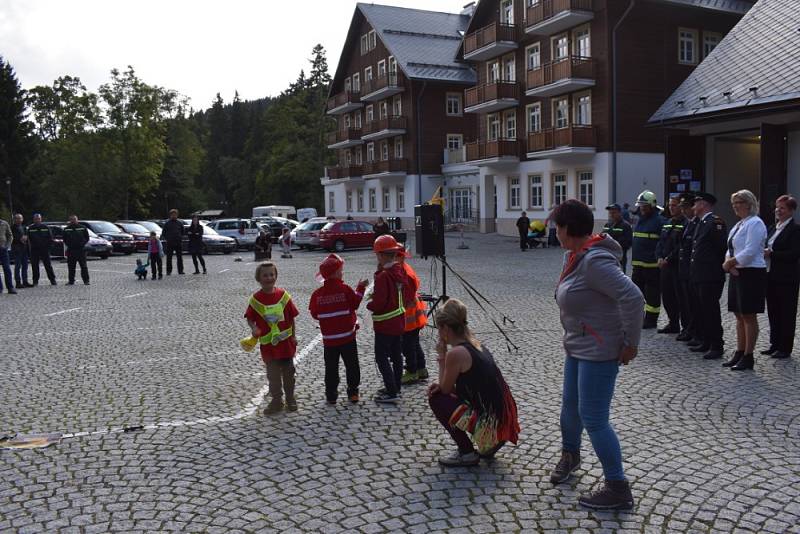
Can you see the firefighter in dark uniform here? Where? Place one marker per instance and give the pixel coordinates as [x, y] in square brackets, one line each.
[685, 296]
[707, 277]
[620, 230]
[667, 253]
[40, 238]
[75, 239]
[646, 274]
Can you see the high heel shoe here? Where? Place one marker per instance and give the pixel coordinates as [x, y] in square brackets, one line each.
[745, 363]
[735, 359]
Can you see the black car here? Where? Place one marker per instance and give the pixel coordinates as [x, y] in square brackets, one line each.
[120, 241]
[97, 246]
[275, 226]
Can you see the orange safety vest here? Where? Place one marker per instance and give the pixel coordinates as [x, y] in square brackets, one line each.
[415, 315]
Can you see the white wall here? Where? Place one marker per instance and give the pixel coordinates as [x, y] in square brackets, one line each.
[637, 172]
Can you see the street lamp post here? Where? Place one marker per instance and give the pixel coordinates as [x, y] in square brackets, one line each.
[10, 200]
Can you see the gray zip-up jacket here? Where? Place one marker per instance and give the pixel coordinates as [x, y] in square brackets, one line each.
[601, 308]
[6, 237]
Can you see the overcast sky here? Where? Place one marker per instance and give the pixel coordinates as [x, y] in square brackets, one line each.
[196, 47]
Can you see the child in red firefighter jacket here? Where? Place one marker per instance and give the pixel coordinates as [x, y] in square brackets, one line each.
[271, 314]
[334, 305]
[391, 292]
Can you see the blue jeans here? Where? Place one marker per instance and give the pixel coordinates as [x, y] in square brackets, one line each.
[20, 265]
[586, 403]
[5, 263]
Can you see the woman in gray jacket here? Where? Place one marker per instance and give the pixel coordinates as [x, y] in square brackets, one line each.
[601, 312]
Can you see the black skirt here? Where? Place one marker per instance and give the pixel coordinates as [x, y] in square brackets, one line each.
[747, 292]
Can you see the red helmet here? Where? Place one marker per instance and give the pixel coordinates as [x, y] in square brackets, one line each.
[329, 266]
[386, 243]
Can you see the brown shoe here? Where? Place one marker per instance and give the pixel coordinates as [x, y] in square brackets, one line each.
[569, 462]
[612, 495]
[291, 405]
[273, 408]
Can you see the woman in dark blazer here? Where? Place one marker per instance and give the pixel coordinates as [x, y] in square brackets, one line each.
[195, 233]
[783, 277]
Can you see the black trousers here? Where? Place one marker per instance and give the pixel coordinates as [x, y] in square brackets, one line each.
[523, 240]
[349, 355]
[155, 264]
[77, 257]
[198, 256]
[174, 248]
[782, 313]
[708, 318]
[412, 351]
[624, 262]
[686, 301]
[43, 256]
[648, 280]
[389, 357]
[670, 295]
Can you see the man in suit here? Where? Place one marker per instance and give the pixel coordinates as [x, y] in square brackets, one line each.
[783, 278]
[707, 277]
[620, 230]
[667, 252]
[685, 296]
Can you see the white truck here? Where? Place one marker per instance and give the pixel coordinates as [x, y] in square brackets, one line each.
[275, 211]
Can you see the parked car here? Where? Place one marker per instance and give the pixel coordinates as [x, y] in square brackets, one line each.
[97, 246]
[306, 214]
[212, 241]
[120, 241]
[306, 235]
[290, 223]
[244, 231]
[141, 235]
[339, 235]
[274, 224]
[150, 225]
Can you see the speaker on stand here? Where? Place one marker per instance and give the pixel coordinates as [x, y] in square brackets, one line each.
[429, 234]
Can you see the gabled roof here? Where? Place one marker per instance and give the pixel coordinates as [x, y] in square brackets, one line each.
[757, 63]
[424, 43]
[727, 6]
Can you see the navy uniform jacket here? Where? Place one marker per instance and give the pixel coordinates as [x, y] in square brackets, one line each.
[645, 240]
[708, 250]
[669, 244]
[39, 237]
[621, 232]
[75, 236]
[685, 252]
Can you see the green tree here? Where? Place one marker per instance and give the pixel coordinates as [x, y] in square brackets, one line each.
[17, 144]
[183, 166]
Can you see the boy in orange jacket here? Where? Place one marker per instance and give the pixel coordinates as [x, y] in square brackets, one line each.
[334, 305]
[415, 321]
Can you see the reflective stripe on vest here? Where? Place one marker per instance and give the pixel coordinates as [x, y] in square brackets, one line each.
[340, 336]
[397, 312]
[646, 235]
[646, 265]
[339, 313]
[273, 314]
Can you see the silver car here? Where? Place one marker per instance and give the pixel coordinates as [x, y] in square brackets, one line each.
[244, 231]
[306, 235]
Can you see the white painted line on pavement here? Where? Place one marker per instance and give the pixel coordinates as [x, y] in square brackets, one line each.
[224, 271]
[108, 271]
[135, 295]
[60, 312]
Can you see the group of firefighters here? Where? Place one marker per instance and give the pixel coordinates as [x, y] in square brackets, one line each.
[676, 257]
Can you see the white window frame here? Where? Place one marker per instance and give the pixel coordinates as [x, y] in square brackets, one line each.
[554, 48]
[687, 36]
[453, 105]
[364, 44]
[455, 141]
[381, 68]
[373, 39]
[359, 156]
[577, 35]
[509, 71]
[585, 186]
[533, 126]
[400, 197]
[349, 200]
[392, 64]
[370, 114]
[357, 121]
[707, 40]
[367, 73]
[356, 82]
[514, 193]
[360, 199]
[493, 71]
[383, 109]
[348, 158]
[510, 124]
[346, 120]
[536, 191]
[385, 199]
[384, 150]
[370, 152]
[581, 107]
[493, 126]
[533, 51]
[506, 16]
[398, 148]
[556, 186]
[347, 85]
[557, 109]
[373, 202]
[397, 105]
[331, 202]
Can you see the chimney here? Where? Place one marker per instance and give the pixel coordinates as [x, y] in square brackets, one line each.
[468, 9]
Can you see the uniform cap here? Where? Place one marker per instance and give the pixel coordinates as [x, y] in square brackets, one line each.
[686, 199]
[329, 266]
[708, 197]
[614, 206]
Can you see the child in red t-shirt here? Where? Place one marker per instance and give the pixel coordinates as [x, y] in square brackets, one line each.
[334, 305]
[271, 314]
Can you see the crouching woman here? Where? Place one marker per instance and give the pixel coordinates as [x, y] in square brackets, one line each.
[471, 399]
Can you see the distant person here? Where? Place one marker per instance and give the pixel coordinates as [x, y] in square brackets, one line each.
[263, 246]
[620, 231]
[75, 238]
[155, 251]
[380, 228]
[40, 238]
[20, 251]
[667, 252]
[286, 243]
[522, 229]
[172, 234]
[6, 240]
[349, 217]
[195, 232]
[626, 212]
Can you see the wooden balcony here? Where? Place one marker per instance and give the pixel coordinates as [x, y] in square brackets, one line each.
[491, 97]
[344, 102]
[490, 41]
[383, 128]
[382, 87]
[548, 17]
[342, 172]
[389, 168]
[345, 138]
[553, 142]
[486, 153]
[560, 77]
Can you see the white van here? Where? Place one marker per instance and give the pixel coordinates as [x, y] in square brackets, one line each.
[275, 211]
[306, 213]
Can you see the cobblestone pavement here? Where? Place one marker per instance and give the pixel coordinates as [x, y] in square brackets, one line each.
[707, 450]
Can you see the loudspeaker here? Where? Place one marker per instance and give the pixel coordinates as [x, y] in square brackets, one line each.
[429, 229]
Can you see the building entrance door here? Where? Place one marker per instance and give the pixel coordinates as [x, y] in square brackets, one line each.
[461, 205]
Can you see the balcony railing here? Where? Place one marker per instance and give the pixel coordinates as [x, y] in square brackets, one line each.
[563, 69]
[342, 136]
[341, 171]
[489, 35]
[386, 123]
[390, 80]
[387, 165]
[490, 92]
[478, 150]
[577, 136]
[344, 98]
[455, 155]
[547, 9]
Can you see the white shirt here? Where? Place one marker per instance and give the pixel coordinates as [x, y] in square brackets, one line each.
[778, 229]
[748, 238]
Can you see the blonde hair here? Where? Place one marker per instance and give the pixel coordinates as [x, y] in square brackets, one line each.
[454, 315]
[265, 265]
[748, 198]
